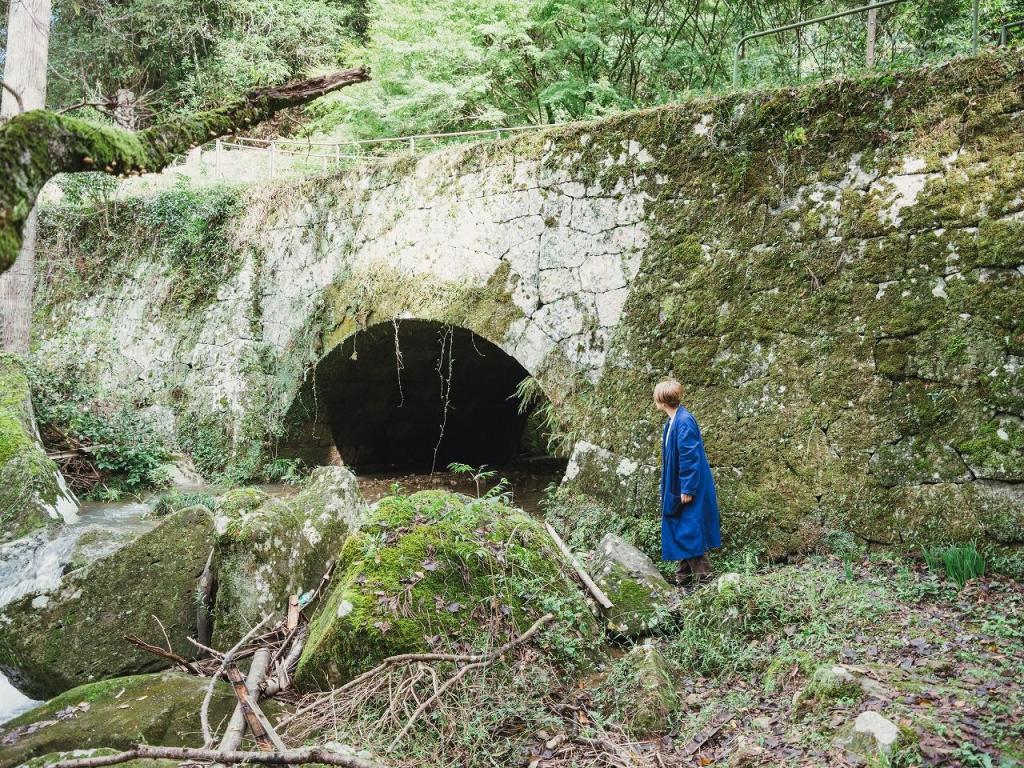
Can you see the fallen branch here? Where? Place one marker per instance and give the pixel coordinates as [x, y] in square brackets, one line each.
[433, 698]
[204, 606]
[232, 738]
[37, 145]
[204, 711]
[288, 757]
[262, 731]
[599, 595]
[156, 650]
[720, 718]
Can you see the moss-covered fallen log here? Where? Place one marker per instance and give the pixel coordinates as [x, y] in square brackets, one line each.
[37, 145]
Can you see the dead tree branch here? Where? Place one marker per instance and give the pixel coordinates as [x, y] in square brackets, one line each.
[39, 144]
[288, 757]
[15, 94]
[588, 582]
[156, 650]
[204, 712]
[471, 660]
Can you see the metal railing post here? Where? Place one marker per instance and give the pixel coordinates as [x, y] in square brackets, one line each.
[1005, 29]
[273, 159]
[741, 45]
[216, 163]
[412, 144]
[975, 13]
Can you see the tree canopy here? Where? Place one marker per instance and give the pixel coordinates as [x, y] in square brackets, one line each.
[472, 63]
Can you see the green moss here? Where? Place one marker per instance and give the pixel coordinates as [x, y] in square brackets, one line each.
[271, 548]
[161, 709]
[29, 489]
[641, 692]
[436, 571]
[54, 642]
[239, 505]
[175, 500]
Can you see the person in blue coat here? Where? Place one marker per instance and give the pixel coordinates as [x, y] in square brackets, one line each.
[690, 527]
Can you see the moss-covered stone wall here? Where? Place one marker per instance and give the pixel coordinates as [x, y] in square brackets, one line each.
[835, 277]
[834, 272]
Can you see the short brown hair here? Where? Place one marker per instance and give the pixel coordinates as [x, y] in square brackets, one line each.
[668, 392]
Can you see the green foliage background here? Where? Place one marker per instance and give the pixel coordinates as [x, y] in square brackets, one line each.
[472, 63]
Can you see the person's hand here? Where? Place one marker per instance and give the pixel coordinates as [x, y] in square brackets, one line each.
[685, 498]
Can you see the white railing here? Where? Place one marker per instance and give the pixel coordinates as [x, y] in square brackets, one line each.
[277, 157]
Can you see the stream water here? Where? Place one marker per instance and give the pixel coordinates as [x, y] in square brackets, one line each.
[38, 562]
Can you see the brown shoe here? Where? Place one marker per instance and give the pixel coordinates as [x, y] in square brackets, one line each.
[680, 579]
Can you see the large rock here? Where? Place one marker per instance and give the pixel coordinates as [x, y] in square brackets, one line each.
[75, 634]
[118, 713]
[641, 692]
[435, 571]
[33, 494]
[269, 548]
[638, 591]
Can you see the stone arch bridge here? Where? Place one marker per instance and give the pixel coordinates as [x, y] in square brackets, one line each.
[834, 273]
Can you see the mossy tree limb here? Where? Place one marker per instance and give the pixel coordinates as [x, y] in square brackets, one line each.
[37, 145]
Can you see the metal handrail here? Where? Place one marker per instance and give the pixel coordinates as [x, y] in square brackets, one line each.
[307, 149]
[741, 45]
[1007, 27]
[396, 139]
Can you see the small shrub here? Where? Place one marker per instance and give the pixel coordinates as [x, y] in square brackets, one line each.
[125, 448]
[288, 471]
[960, 562]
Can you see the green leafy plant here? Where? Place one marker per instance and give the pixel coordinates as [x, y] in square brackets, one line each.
[960, 562]
[123, 445]
[288, 471]
[478, 474]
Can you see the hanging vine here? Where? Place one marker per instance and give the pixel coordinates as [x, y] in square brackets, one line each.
[399, 365]
[447, 336]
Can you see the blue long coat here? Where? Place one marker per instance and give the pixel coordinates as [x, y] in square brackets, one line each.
[692, 529]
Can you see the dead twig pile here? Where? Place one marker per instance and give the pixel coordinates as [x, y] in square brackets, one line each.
[413, 683]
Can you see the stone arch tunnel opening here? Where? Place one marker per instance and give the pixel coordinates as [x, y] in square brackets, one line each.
[415, 396]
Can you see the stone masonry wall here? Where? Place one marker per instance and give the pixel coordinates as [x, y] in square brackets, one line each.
[834, 272]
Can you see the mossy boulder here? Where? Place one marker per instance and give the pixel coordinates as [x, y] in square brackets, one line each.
[33, 494]
[640, 692]
[640, 595]
[160, 708]
[269, 548]
[828, 684]
[74, 635]
[437, 571]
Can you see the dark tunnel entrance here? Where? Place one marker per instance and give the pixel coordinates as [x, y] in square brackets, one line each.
[414, 395]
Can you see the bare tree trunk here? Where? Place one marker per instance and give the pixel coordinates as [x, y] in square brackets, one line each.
[28, 39]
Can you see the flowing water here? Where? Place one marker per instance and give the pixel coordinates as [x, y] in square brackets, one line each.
[36, 563]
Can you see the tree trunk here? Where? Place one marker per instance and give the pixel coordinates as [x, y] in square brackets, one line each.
[37, 145]
[28, 38]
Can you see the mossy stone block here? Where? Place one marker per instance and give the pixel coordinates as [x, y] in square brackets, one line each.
[270, 548]
[437, 571]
